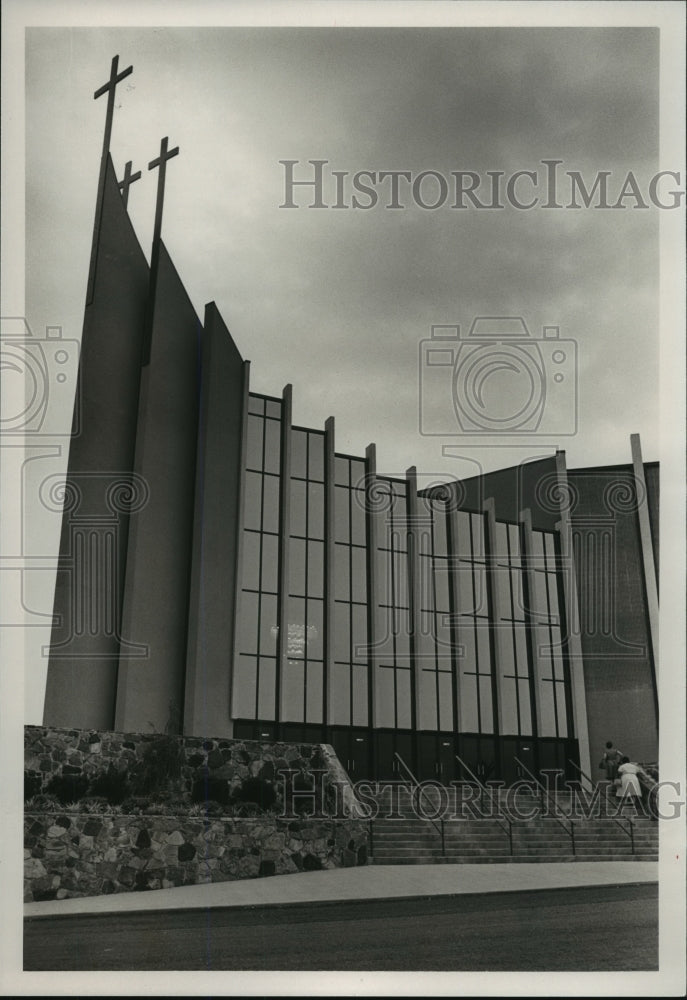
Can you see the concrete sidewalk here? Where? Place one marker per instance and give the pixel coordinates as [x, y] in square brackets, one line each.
[370, 882]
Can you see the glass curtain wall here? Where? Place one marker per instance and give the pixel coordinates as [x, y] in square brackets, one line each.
[255, 675]
[555, 706]
[350, 672]
[476, 697]
[434, 641]
[515, 675]
[456, 658]
[302, 683]
[394, 681]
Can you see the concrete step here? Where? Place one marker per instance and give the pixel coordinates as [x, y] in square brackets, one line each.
[465, 838]
[509, 859]
[411, 839]
[607, 851]
[476, 823]
[383, 854]
[405, 799]
[597, 843]
[435, 850]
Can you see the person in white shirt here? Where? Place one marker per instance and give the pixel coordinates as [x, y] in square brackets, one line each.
[629, 782]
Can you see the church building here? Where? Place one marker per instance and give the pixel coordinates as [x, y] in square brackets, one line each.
[224, 572]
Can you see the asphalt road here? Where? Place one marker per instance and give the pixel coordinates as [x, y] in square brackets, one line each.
[610, 928]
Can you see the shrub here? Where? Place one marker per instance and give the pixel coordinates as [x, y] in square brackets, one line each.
[67, 787]
[256, 791]
[42, 803]
[112, 785]
[174, 803]
[32, 784]
[247, 809]
[94, 804]
[206, 789]
[171, 799]
[207, 808]
[135, 804]
[157, 809]
[160, 769]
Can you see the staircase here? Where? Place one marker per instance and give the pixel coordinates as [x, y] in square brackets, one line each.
[399, 834]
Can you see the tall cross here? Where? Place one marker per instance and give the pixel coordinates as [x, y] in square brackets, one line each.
[109, 89]
[126, 182]
[161, 162]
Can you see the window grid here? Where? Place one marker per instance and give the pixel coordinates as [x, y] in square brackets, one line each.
[312, 595]
[435, 612]
[477, 702]
[395, 611]
[350, 497]
[542, 621]
[516, 691]
[259, 664]
[553, 680]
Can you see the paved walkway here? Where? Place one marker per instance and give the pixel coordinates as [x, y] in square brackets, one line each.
[370, 882]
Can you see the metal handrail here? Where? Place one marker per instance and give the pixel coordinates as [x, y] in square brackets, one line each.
[584, 774]
[499, 816]
[629, 832]
[571, 831]
[416, 785]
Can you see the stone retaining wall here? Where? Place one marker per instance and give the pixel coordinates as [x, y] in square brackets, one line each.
[72, 854]
[75, 753]
[94, 848]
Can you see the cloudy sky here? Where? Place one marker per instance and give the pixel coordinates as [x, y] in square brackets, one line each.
[338, 302]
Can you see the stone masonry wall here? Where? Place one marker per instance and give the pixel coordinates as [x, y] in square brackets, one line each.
[165, 837]
[69, 854]
[51, 752]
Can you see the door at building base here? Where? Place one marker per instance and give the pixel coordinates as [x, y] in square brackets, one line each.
[560, 755]
[352, 747]
[390, 745]
[436, 757]
[478, 756]
[518, 759]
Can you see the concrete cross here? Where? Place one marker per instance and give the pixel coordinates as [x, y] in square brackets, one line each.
[109, 89]
[161, 162]
[127, 181]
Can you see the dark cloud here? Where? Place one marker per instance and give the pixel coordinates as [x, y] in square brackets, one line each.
[337, 301]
